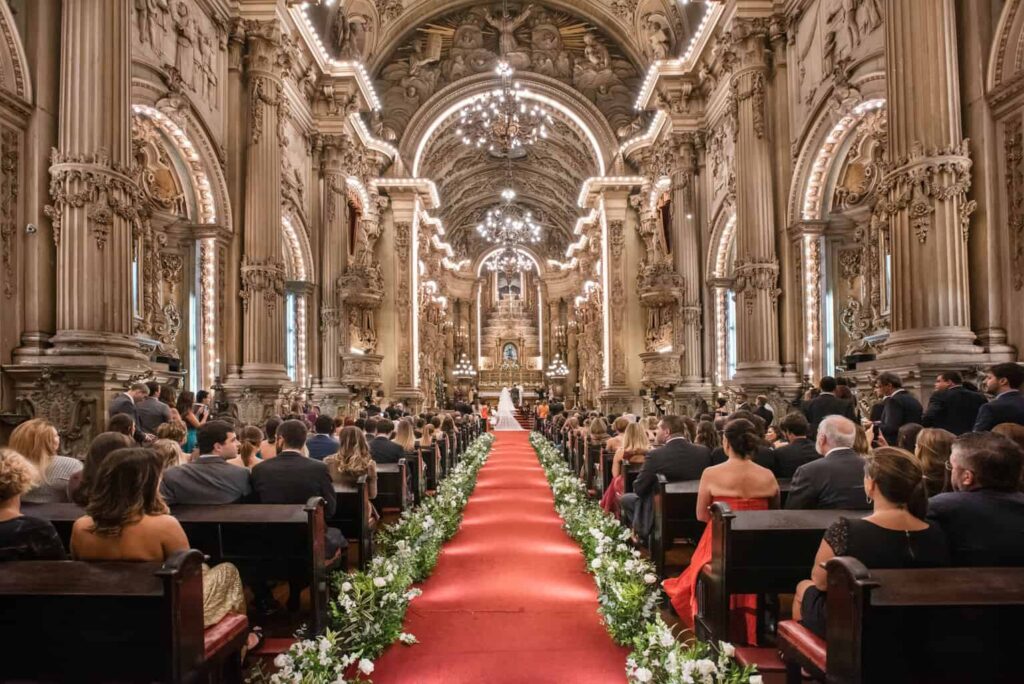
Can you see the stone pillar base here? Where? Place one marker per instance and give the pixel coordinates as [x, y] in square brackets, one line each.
[85, 345]
[619, 400]
[945, 341]
[253, 402]
[332, 399]
[688, 396]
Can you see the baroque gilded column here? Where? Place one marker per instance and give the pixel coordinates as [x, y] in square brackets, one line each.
[924, 191]
[94, 195]
[263, 269]
[686, 254]
[756, 266]
[333, 258]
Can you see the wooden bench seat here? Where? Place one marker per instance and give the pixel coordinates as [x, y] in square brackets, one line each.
[392, 486]
[352, 517]
[113, 621]
[920, 626]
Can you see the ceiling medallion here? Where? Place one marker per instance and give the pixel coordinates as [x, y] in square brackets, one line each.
[503, 120]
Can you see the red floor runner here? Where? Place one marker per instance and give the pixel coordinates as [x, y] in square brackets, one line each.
[510, 600]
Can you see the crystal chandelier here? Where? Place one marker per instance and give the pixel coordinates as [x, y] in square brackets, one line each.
[557, 368]
[509, 223]
[503, 120]
[509, 260]
[464, 367]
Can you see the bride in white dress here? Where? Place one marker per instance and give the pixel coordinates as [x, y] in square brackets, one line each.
[506, 419]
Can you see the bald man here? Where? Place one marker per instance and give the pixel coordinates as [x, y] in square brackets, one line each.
[835, 481]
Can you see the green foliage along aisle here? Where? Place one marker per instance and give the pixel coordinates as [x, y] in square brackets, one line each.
[628, 590]
[369, 608]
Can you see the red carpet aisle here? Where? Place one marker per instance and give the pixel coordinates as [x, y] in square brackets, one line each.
[510, 599]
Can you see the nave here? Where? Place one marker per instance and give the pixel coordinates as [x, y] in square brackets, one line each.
[510, 599]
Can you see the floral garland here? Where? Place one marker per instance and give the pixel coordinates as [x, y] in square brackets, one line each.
[369, 609]
[628, 591]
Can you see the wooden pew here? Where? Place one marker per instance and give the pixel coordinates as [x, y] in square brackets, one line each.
[444, 446]
[591, 467]
[352, 517]
[675, 514]
[265, 541]
[392, 485]
[417, 476]
[757, 552]
[75, 621]
[926, 626]
[431, 457]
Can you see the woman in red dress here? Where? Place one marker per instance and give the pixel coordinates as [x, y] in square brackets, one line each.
[745, 486]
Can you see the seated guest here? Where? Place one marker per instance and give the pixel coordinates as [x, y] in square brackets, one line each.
[619, 425]
[799, 450]
[651, 428]
[23, 537]
[292, 478]
[353, 461]
[906, 437]
[707, 435]
[900, 407]
[209, 479]
[248, 447]
[634, 449]
[932, 453]
[268, 447]
[895, 535]
[745, 486]
[765, 455]
[774, 437]
[835, 481]
[862, 443]
[405, 436]
[123, 423]
[100, 447]
[127, 520]
[952, 407]
[174, 431]
[322, 444]
[1002, 380]
[826, 404]
[427, 437]
[677, 459]
[382, 448]
[168, 453]
[983, 516]
[151, 412]
[38, 441]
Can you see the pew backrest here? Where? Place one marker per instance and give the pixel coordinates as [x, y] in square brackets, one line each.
[352, 517]
[392, 485]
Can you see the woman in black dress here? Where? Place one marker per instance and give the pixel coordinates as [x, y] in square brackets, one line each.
[23, 537]
[895, 535]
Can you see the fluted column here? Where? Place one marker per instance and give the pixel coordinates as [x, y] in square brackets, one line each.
[924, 193]
[263, 270]
[756, 267]
[686, 255]
[333, 258]
[94, 195]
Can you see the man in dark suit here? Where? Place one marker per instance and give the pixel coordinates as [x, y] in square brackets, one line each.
[799, 450]
[382, 449]
[835, 481]
[151, 412]
[1004, 381]
[901, 407]
[210, 479]
[827, 404]
[126, 403]
[983, 517]
[322, 444]
[677, 459]
[952, 406]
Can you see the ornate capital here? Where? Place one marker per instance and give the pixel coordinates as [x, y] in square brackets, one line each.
[751, 277]
[265, 276]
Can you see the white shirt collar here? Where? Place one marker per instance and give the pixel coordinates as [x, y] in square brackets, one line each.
[674, 438]
[130, 397]
[1009, 391]
[836, 449]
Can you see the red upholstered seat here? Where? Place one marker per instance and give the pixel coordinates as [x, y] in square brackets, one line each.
[765, 659]
[795, 637]
[223, 633]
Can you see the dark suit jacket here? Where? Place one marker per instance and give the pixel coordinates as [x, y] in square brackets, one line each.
[790, 457]
[291, 478]
[764, 457]
[984, 527]
[824, 405]
[321, 446]
[383, 450]
[836, 482]
[208, 480]
[901, 408]
[122, 403]
[678, 460]
[151, 413]
[766, 414]
[1006, 408]
[954, 409]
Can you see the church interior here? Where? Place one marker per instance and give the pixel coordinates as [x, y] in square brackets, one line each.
[556, 318]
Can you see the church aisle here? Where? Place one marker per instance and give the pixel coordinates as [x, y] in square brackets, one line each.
[510, 600]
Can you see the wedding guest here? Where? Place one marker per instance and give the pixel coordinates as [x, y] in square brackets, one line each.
[268, 447]
[827, 404]
[984, 514]
[895, 535]
[101, 446]
[38, 441]
[168, 453]
[405, 436]
[174, 431]
[952, 407]
[745, 486]
[23, 537]
[209, 479]
[633, 449]
[353, 461]
[382, 448]
[151, 412]
[322, 444]
[707, 435]
[900, 407]
[836, 480]
[248, 447]
[799, 449]
[932, 451]
[186, 408]
[906, 437]
[619, 425]
[1002, 380]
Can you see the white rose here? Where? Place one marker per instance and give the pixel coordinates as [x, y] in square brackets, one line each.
[379, 582]
[666, 638]
[346, 587]
[727, 649]
[365, 666]
[650, 578]
[596, 563]
[281, 660]
[642, 674]
[756, 679]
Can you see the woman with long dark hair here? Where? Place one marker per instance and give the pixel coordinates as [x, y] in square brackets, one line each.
[186, 408]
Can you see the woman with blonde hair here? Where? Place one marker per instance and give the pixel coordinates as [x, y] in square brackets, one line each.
[352, 461]
[23, 537]
[405, 435]
[37, 440]
[932, 452]
[633, 450]
[167, 452]
[619, 425]
[427, 439]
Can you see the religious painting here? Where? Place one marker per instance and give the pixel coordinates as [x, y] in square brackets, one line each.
[509, 285]
[510, 353]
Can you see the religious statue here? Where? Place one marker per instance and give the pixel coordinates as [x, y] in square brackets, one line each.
[507, 26]
[185, 29]
[596, 53]
[657, 36]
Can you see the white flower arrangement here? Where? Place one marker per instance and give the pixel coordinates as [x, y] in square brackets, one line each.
[628, 590]
[369, 607]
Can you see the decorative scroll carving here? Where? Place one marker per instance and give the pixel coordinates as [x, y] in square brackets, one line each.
[56, 397]
[9, 170]
[1014, 147]
[403, 300]
[659, 370]
[756, 91]
[264, 275]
